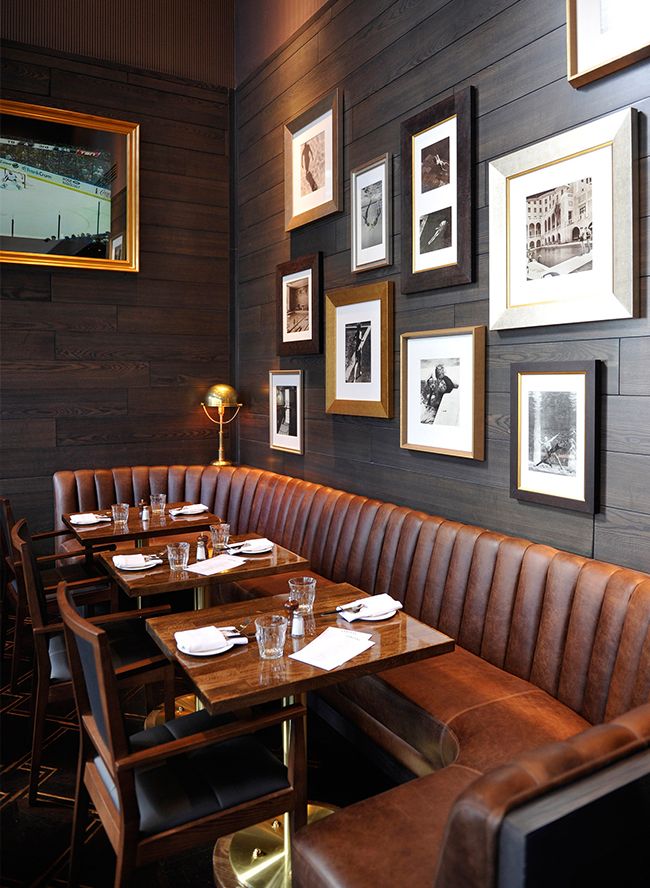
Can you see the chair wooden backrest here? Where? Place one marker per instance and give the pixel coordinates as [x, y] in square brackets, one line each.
[7, 565]
[29, 575]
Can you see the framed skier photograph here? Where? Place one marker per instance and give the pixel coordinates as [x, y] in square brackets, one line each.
[371, 190]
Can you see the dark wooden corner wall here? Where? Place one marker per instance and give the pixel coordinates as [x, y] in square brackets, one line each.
[392, 59]
[106, 368]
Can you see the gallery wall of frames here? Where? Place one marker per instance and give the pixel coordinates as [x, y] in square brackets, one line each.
[444, 208]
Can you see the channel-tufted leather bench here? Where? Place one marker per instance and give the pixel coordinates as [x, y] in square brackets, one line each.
[548, 643]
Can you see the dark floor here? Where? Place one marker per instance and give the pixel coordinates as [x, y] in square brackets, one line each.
[35, 840]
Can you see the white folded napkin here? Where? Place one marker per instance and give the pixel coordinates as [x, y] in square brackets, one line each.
[333, 647]
[88, 518]
[216, 565]
[195, 509]
[195, 641]
[374, 606]
[122, 561]
[256, 545]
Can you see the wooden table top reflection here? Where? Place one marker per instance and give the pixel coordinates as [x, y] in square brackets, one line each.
[240, 678]
[159, 579]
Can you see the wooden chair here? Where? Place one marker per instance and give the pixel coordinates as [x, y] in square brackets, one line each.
[134, 656]
[169, 788]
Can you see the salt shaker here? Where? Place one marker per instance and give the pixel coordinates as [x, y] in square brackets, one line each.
[145, 514]
[297, 625]
[141, 505]
[201, 551]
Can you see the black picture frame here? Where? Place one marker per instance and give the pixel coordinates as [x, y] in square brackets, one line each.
[311, 265]
[461, 107]
[586, 457]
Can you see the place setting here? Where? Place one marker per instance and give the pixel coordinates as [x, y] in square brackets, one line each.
[208, 641]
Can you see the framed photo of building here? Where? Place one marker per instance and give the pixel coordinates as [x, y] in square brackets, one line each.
[69, 185]
[313, 182]
[604, 36]
[553, 434]
[563, 227]
[358, 350]
[371, 190]
[443, 391]
[286, 415]
[437, 192]
[298, 306]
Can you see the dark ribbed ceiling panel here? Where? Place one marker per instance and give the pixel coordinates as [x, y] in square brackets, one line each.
[192, 39]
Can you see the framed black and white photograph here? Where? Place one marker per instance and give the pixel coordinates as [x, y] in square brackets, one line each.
[313, 182]
[371, 189]
[286, 418]
[69, 185]
[443, 391]
[604, 36]
[553, 433]
[358, 350]
[437, 195]
[564, 226]
[298, 306]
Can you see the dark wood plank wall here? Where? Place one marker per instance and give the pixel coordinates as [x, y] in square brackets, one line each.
[392, 59]
[106, 368]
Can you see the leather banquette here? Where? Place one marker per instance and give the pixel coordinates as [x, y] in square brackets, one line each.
[548, 643]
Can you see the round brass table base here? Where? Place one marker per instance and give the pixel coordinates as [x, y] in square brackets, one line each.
[256, 855]
[184, 705]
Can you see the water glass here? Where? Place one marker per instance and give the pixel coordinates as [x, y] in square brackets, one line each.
[178, 555]
[158, 503]
[303, 590]
[120, 513]
[220, 535]
[271, 632]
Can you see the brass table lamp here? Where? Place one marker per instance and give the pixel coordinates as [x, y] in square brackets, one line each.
[221, 396]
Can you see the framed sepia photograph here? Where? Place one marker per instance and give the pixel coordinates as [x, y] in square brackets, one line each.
[313, 181]
[564, 227]
[371, 190]
[604, 36]
[443, 391]
[298, 306]
[359, 350]
[286, 415]
[553, 434]
[69, 185]
[437, 195]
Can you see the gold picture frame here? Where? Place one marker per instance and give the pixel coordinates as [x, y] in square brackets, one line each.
[70, 189]
[358, 350]
[442, 391]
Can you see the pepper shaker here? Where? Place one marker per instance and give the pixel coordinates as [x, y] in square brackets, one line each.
[141, 506]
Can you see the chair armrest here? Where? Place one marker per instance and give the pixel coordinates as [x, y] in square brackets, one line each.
[49, 534]
[123, 616]
[50, 629]
[208, 738]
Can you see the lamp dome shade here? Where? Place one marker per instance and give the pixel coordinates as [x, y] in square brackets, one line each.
[221, 395]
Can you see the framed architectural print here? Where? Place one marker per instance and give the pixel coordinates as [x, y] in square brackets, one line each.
[359, 350]
[604, 36]
[298, 306]
[313, 182]
[371, 190]
[286, 418]
[443, 391]
[553, 434]
[563, 227]
[437, 190]
[69, 187]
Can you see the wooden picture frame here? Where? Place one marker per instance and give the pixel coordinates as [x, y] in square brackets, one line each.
[554, 434]
[298, 293]
[313, 151]
[442, 391]
[564, 227]
[597, 48]
[371, 214]
[286, 411]
[70, 189]
[437, 195]
[359, 350]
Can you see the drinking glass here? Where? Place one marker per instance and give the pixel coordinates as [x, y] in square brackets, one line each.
[120, 513]
[271, 632]
[303, 590]
[178, 555]
[220, 535]
[158, 503]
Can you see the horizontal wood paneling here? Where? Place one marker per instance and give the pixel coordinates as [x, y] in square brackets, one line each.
[392, 59]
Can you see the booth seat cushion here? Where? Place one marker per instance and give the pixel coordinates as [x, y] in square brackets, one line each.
[278, 584]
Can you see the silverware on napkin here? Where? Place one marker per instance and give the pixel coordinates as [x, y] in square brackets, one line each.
[353, 608]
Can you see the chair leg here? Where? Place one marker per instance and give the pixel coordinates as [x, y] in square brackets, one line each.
[125, 864]
[168, 692]
[19, 632]
[80, 819]
[40, 708]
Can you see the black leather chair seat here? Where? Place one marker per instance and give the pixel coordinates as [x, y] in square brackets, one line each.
[198, 784]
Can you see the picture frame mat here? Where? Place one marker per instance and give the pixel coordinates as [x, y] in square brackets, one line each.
[377, 170]
[277, 440]
[591, 54]
[288, 336]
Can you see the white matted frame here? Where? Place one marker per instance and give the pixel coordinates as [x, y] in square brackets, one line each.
[286, 412]
[564, 227]
[371, 217]
[443, 391]
[604, 36]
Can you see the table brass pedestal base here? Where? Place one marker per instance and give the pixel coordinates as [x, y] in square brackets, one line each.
[256, 855]
[184, 705]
